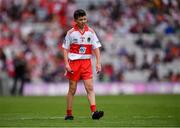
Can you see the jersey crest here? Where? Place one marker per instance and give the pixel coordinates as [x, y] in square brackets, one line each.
[82, 49]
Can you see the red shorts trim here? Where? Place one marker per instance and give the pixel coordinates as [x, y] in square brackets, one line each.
[82, 69]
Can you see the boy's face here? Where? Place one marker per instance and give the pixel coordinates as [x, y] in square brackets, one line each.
[81, 21]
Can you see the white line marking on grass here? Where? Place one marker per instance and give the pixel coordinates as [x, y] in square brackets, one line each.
[151, 117]
[40, 118]
[108, 122]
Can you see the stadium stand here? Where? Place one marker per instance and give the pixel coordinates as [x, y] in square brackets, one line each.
[141, 39]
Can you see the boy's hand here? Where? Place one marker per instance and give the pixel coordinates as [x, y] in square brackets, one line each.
[68, 68]
[98, 68]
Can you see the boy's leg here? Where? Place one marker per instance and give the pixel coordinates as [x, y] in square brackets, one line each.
[90, 91]
[91, 97]
[70, 96]
[90, 94]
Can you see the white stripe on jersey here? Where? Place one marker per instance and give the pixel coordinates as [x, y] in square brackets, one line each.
[74, 56]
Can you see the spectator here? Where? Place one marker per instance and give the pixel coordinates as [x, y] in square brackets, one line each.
[153, 75]
[145, 65]
[2, 60]
[120, 76]
[21, 74]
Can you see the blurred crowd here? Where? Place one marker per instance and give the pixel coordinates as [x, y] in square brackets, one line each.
[136, 16]
[32, 31]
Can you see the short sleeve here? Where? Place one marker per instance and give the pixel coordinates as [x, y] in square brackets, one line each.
[96, 43]
[66, 42]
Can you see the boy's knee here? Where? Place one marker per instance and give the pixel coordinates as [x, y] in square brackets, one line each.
[90, 89]
[72, 90]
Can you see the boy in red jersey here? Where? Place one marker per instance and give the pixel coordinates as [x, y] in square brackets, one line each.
[78, 45]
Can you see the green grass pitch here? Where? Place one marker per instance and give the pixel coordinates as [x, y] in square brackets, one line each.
[120, 111]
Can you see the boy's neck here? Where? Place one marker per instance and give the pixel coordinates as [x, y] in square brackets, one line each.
[81, 28]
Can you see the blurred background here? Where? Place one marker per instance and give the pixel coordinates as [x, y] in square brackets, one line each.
[140, 39]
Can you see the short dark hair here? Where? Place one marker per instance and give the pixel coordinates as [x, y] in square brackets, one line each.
[79, 13]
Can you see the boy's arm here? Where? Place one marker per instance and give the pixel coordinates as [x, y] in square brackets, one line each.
[67, 67]
[98, 60]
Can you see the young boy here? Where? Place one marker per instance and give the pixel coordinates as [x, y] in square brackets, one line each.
[78, 45]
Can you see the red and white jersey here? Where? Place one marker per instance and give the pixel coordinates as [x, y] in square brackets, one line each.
[80, 44]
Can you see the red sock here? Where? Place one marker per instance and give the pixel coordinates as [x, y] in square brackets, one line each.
[93, 108]
[69, 112]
